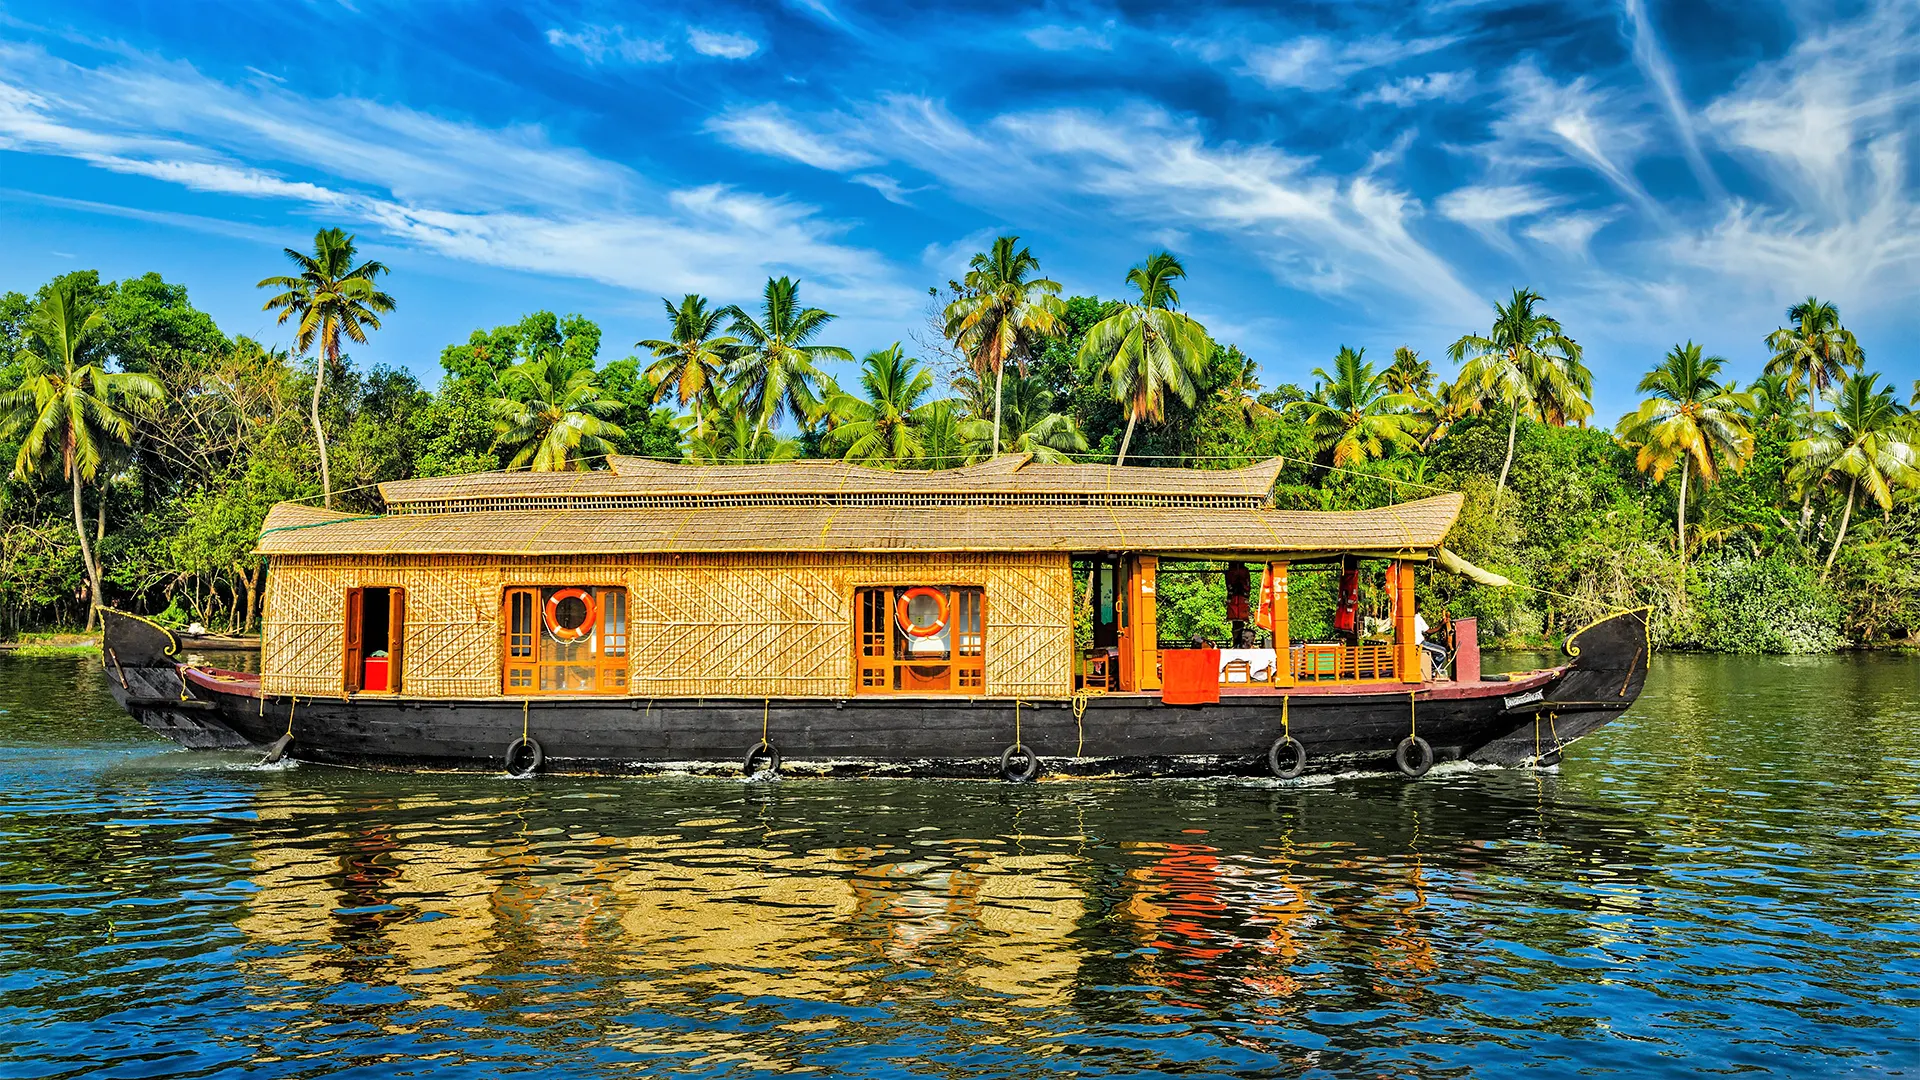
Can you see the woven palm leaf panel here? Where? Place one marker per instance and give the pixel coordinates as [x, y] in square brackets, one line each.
[700, 625]
[718, 625]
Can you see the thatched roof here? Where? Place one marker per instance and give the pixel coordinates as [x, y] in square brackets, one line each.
[1414, 527]
[1014, 479]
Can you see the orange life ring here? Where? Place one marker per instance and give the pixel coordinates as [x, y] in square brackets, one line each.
[907, 624]
[561, 633]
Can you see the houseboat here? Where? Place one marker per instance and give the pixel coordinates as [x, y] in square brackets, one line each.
[999, 620]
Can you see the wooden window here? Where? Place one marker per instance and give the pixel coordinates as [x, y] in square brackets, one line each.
[928, 639]
[375, 633]
[559, 639]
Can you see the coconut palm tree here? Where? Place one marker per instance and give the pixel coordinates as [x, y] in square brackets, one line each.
[1002, 308]
[1527, 364]
[1815, 350]
[1408, 374]
[1865, 438]
[68, 408]
[1241, 389]
[692, 362]
[733, 435]
[777, 367]
[1030, 426]
[882, 428]
[1355, 415]
[1690, 420]
[331, 298]
[1148, 348]
[551, 420]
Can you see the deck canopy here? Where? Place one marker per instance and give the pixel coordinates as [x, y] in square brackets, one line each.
[1008, 505]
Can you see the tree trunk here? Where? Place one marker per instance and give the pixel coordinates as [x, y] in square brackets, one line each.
[319, 433]
[1845, 516]
[252, 578]
[100, 519]
[1686, 468]
[86, 549]
[1132, 417]
[999, 374]
[1499, 489]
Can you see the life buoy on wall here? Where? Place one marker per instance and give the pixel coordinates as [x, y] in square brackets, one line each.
[563, 633]
[906, 622]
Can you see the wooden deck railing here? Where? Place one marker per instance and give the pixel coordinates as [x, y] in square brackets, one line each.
[1342, 663]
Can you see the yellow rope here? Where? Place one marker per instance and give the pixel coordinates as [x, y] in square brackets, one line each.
[292, 704]
[766, 707]
[1286, 723]
[1079, 711]
[1413, 716]
[1551, 726]
[1016, 722]
[526, 706]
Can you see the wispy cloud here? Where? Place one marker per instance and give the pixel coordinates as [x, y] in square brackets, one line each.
[1056, 38]
[1575, 118]
[769, 129]
[609, 44]
[1312, 62]
[1488, 210]
[1570, 234]
[1440, 85]
[726, 46]
[1653, 61]
[499, 197]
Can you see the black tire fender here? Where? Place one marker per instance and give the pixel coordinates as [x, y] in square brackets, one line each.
[762, 750]
[1027, 769]
[524, 756]
[1287, 748]
[1413, 757]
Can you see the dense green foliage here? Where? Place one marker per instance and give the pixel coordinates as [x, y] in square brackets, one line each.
[1780, 480]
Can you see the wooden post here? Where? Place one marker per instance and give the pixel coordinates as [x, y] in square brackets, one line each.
[1282, 652]
[1406, 644]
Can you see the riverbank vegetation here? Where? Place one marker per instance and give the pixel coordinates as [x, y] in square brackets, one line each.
[145, 444]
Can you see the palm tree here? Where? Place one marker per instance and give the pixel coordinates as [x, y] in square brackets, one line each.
[1866, 438]
[883, 428]
[332, 298]
[1148, 348]
[1691, 420]
[551, 420]
[1408, 374]
[1526, 363]
[1353, 413]
[1815, 350]
[691, 363]
[69, 408]
[1241, 389]
[1002, 308]
[944, 446]
[774, 362]
[732, 434]
[1030, 427]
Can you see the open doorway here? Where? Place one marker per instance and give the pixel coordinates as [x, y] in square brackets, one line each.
[375, 624]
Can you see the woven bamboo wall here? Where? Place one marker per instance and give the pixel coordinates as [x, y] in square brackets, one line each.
[705, 625]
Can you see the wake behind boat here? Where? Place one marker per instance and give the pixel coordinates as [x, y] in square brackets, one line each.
[824, 618]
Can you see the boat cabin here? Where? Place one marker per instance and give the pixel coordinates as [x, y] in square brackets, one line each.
[1008, 579]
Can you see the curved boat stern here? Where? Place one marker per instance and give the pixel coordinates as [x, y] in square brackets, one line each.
[144, 677]
[1609, 669]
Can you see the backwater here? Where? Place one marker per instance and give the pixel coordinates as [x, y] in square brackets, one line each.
[1725, 880]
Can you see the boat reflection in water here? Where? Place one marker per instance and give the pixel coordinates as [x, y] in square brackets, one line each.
[740, 923]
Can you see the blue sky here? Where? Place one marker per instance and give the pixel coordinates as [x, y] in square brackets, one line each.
[1363, 173]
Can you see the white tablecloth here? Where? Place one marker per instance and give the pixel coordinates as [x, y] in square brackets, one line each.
[1259, 660]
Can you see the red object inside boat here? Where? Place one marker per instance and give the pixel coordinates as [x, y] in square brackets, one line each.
[1189, 676]
[375, 675]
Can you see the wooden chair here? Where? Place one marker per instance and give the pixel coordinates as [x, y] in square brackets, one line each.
[1236, 671]
[1096, 670]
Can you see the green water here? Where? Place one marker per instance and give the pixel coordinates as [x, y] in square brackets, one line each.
[1727, 879]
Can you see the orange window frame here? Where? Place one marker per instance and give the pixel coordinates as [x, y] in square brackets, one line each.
[525, 672]
[878, 668]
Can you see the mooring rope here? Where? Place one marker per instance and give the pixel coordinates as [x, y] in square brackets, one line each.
[1413, 715]
[1079, 712]
[526, 707]
[292, 704]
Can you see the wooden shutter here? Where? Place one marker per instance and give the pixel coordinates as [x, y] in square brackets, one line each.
[396, 635]
[353, 653]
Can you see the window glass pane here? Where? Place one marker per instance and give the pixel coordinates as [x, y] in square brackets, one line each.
[613, 622]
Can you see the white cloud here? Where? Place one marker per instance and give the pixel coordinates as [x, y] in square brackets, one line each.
[1440, 85]
[1156, 171]
[726, 46]
[503, 197]
[1312, 62]
[1489, 209]
[768, 129]
[1579, 122]
[1056, 38]
[1659, 70]
[887, 186]
[601, 44]
[1571, 234]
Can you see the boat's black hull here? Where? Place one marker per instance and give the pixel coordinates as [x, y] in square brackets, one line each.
[1125, 734]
